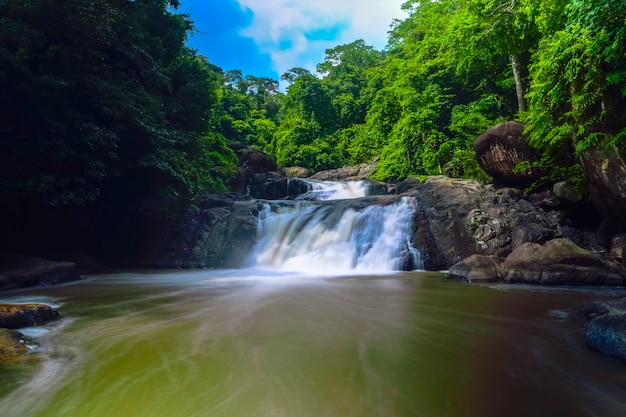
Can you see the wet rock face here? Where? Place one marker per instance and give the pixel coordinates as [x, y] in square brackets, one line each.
[458, 218]
[219, 233]
[501, 149]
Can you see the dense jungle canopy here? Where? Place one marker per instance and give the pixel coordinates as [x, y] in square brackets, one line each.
[104, 98]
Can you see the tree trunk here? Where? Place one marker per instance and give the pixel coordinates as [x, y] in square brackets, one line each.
[519, 85]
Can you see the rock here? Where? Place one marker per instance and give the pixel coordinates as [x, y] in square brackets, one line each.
[501, 149]
[531, 232]
[406, 185]
[560, 262]
[565, 190]
[605, 169]
[295, 172]
[618, 243]
[274, 185]
[250, 162]
[12, 345]
[16, 316]
[220, 233]
[458, 218]
[269, 186]
[348, 173]
[253, 160]
[21, 271]
[607, 328]
[477, 268]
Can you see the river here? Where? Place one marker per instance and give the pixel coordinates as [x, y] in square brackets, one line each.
[251, 342]
[320, 324]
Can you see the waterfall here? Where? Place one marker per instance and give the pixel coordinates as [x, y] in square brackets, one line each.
[336, 234]
[327, 190]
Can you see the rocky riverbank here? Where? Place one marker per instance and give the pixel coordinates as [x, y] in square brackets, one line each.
[13, 344]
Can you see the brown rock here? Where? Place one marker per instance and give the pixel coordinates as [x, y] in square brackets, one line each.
[560, 262]
[478, 268]
[499, 151]
[15, 316]
[295, 172]
[12, 345]
[348, 173]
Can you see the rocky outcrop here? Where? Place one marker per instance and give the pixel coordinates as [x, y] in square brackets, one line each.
[560, 262]
[219, 233]
[458, 218]
[22, 271]
[502, 151]
[605, 169]
[607, 327]
[557, 262]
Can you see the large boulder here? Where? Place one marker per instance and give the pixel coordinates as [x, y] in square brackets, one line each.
[605, 169]
[458, 218]
[502, 150]
[560, 262]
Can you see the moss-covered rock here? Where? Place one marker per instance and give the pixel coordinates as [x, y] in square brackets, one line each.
[12, 345]
[15, 316]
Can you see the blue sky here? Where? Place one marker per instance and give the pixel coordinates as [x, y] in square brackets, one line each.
[265, 38]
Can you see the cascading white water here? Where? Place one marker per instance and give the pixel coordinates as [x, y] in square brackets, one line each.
[336, 236]
[327, 190]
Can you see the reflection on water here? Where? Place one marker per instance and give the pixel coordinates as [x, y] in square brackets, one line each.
[257, 343]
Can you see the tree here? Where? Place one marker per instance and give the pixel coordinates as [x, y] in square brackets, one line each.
[578, 83]
[107, 91]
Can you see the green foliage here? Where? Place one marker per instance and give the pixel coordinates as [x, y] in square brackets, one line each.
[107, 91]
[578, 83]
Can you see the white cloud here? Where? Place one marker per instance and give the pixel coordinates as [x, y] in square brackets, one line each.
[283, 28]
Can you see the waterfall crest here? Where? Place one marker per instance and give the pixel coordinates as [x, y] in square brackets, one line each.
[336, 234]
